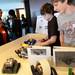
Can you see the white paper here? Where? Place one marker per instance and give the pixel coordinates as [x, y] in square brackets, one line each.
[33, 57]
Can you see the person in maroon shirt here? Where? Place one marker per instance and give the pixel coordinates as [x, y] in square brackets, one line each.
[3, 32]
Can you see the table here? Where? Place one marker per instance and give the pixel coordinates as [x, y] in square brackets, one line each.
[7, 51]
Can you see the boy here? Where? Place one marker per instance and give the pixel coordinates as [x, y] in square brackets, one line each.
[66, 21]
[51, 29]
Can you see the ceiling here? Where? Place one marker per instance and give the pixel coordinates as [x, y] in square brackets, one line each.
[11, 4]
[7, 1]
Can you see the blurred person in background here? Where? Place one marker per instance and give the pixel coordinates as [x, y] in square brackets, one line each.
[24, 24]
[0, 13]
[14, 25]
[3, 33]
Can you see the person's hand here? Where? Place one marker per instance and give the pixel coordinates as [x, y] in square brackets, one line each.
[39, 43]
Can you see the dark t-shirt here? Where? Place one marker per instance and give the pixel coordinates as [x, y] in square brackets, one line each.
[53, 30]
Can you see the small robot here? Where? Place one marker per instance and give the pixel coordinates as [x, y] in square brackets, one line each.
[11, 66]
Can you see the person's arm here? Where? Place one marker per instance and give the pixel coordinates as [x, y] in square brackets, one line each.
[52, 32]
[48, 42]
[62, 38]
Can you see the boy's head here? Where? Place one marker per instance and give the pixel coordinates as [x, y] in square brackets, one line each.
[61, 5]
[47, 9]
[68, 1]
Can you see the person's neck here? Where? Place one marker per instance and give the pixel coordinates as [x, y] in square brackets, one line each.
[70, 9]
[50, 18]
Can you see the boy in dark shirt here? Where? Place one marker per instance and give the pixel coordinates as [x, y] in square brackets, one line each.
[47, 11]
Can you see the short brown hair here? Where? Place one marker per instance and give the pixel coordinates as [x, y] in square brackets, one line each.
[68, 1]
[47, 8]
[57, 0]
